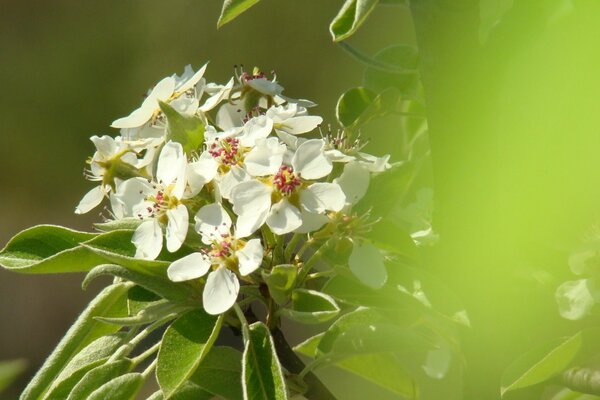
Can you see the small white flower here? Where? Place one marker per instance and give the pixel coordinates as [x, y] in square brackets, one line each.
[286, 198]
[292, 119]
[226, 255]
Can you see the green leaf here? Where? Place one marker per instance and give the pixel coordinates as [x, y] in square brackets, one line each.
[232, 8]
[184, 345]
[352, 104]
[96, 377]
[147, 315]
[124, 387]
[46, 249]
[383, 104]
[62, 387]
[311, 307]
[262, 377]
[350, 17]
[189, 131]
[309, 346]
[119, 224]
[139, 298]
[406, 59]
[153, 279]
[190, 391]
[221, 373]
[491, 13]
[541, 364]
[280, 281]
[110, 302]
[9, 371]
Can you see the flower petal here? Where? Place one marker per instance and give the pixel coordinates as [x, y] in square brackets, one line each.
[250, 257]
[230, 179]
[354, 181]
[148, 239]
[311, 222]
[251, 197]
[199, 173]
[215, 99]
[177, 227]
[105, 145]
[299, 125]
[284, 217]
[221, 291]
[247, 224]
[190, 83]
[322, 196]
[189, 267]
[212, 221]
[90, 200]
[257, 128]
[366, 262]
[265, 158]
[170, 163]
[310, 160]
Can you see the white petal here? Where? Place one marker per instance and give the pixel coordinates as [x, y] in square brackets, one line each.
[130, 194]
[354, 181]
[250, 257]
[172, 163]
[281, 113]
[136, 119]
[251, 197]
[215, 99]
[189, 267]
[105, 145]
[291, 141]
[230, 116]
[230, 179]
[265, 86]
[221, 291]
[199, 173]
[322, 196]
[366, 262]
[177, 227]
[310, 160]
[299, 125]
[162, 91]
[212, 221]
[311, 222]
[284, 217]
[256, 128]
[185, 105]
[190, 83]
[265, 158]
[247, 224]
[148, 239]
[91, 200]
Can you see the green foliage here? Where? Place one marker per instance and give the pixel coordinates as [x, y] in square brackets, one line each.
[189, 131]
[184, 345]
[541, 364]
[97, 376]
[124, 387]
[311, 307]
[262, 376]
[352, 104]
[220, 373]
[405, 59]
[281, 280]
[350, 17]
[110, 302]
[232, 8]
[9, 371]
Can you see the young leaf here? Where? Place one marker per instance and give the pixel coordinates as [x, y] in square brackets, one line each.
[262, 377]
[9, 371]
[350, 17]
[119, 224]
[232, 8]
[405, 58]
[124, 387]
[184, 345]
[220, 373]
[541, 364]
[62, 386]
[280, 281]
[352, 104]
[189, 131]
[96, 377]
[46, 249]
[110, 302]
[311, 307]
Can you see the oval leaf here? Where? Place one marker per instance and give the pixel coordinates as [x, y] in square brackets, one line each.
[352, 104]
[232, 8]
[96, 377]
[124, 387]
[262, 377]
[184, 345]
[311, 307]
[405, 59]
[350, 17]
[221, 373]
[541, 364]
[280, 281]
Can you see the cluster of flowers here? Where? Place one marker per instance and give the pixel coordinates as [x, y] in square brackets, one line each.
[254, 170]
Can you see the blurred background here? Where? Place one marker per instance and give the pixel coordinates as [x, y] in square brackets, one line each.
[69, 68]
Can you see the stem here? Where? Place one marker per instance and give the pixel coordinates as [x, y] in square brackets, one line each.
[145, 354]
[373, 63]
[243, 321]
[305, 269]
[316, 389]
[150, 368]
[291, 246]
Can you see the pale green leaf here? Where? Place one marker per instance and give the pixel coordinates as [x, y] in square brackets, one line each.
[119, 224]
[280, 281]
[310, 307]
[541, 364]
[352, 104]
[232, 8]
[188, 131]
[220, 373]
[61, 387]
[350, 17]
[110, 302]
[184, 345]
[262, 374]
[124, 387]
[405, 58]
[97, 376]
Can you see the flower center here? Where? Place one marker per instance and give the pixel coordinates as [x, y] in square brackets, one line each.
[222, 248]
[226, 151]
[286, 181]
[160, 203]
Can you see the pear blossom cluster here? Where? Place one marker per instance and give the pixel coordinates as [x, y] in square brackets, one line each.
[219, 174]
